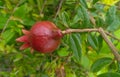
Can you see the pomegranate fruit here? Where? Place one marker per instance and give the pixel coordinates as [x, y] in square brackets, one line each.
[44, 37]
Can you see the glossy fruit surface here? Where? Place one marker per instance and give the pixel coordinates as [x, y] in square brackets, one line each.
[44, 37]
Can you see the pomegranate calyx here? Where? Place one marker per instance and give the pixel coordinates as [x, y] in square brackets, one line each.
[43, 37]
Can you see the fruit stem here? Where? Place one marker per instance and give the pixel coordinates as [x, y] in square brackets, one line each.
[67, 31]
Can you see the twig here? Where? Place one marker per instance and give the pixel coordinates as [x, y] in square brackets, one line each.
[59, 7]
[43, 6]
[103, 34]
[88, 30]
[6, 24]
[112, 36]
[110, 44]
[67, 31]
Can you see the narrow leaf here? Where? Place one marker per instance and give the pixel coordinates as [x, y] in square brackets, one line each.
[91, 41]
[75, 46]
[100, 63]
[95, 1]
[114, 25]
[84, 3]
[8, 35]
[109, 74]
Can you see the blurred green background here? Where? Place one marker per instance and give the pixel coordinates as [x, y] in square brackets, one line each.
[79, 55]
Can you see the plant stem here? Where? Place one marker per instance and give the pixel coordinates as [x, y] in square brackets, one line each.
[102, 33]
[110, 44]
[67, 31]
[109, 34]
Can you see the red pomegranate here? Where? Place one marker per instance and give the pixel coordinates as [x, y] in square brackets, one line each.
[44, 37]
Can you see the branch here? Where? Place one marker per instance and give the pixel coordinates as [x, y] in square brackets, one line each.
[102, 33]
[109, 34]
[67, 31]
[110, 44]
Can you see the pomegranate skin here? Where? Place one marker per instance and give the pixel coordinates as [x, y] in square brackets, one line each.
[44, 37]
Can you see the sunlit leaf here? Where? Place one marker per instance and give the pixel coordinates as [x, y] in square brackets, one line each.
[109, 74]
[63, 52]
[100, 63]
[85, 61]
[3, 20]
[21, 11]
[8, 35]
[109, 2]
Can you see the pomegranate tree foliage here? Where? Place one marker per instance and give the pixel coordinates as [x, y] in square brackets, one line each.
[79, 55]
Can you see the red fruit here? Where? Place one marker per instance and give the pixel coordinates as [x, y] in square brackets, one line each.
[44, 37]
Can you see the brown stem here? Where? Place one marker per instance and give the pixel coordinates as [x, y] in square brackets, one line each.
[103, 34]
[110, 44]
[109, 34]
[67, 31]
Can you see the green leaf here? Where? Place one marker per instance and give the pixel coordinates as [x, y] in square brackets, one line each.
[112, 21]
[94, 1]
[63, 52]
[100, 42]
[118, 65]
[44, 75]
[75, 46]
[8, 4]
[84, 3]
[86, 19]
[82, 17]
[113, 66]
[100, 63]
[109, 74]
[100, 22]
[110, 15]
[28, 21]
[64, 17]
[8, 35]
[18, 57]
[31, 2]
[95, 41]
[85, 61]
[75, 22]
[91, 41]
[22, 11]
[114, 25]
[1, 3]
[39, 4]
[3, 20]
